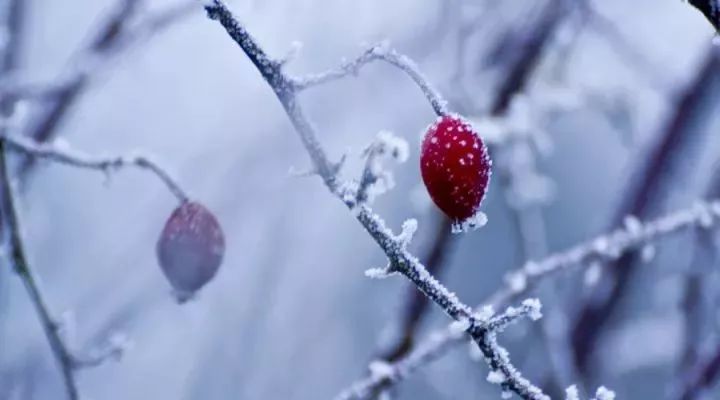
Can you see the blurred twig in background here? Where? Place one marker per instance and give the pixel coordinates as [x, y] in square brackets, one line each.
[669, 160]
[610, 246]
[61, 94]
[116, 34]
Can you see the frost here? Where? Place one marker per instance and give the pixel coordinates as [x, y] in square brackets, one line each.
[457, 328]
[633, 225]
[476, 221]
[377, 273]
[516, 281]
[381, 369]
[484, 314]
[392, 145]
[592, 275]
[409, 228]
[534, 308]
[571, 393]
[604, 394]
[496, 377]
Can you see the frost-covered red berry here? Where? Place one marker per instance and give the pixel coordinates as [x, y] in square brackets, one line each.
[190, 248]
[455, 167]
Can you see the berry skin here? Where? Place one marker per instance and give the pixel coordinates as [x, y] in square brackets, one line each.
[455, 167]
[190, 249]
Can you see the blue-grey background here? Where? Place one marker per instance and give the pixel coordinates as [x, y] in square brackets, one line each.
[290, 314]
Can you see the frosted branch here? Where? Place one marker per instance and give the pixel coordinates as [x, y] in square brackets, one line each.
[483, 326]
[395, 247]
[502, 372]
[67, 156]
[602, 248]
[374, 180]
[378, 52]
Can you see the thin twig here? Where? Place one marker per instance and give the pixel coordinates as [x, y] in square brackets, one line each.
[395, 247]
[103, 164]
[115, 35]
[21, 266]
[622, 46]
[702, 377]
[378, 52]
[659, 168]
[602, 248]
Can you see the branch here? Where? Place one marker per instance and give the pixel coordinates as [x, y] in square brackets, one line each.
[667, 161]
[104, 164]
[95, 59]
[602, 248]
[624, 48]
[374, 179]
[701, 377]
[21, 266]
[378, 52]
[710, 9]
[113, 36]
[395, 247]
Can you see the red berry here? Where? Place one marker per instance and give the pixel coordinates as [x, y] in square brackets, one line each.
[455, 167]
[190, 248]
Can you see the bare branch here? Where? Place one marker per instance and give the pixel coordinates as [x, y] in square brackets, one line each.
[669, 159]
[22, 267]
[70, 157]
[378, 52]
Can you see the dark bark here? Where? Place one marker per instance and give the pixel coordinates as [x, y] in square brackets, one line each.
[710, 9]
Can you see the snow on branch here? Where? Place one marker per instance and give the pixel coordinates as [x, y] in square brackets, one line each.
[395, 247]
[65, 155]
[502, 372]
[632, 236]
[378, 52]
[484, 326]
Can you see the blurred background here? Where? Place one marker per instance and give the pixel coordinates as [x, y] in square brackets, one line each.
[610, 108]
